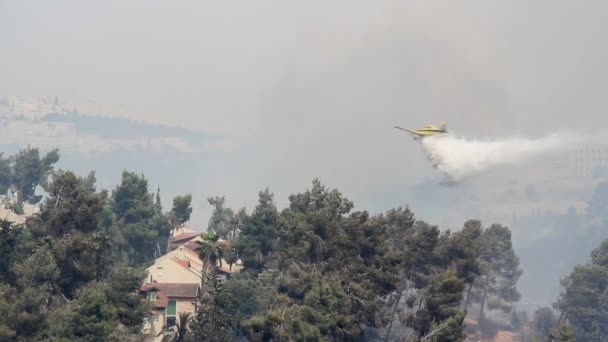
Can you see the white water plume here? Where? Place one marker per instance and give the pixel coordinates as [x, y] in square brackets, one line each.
[458, 158]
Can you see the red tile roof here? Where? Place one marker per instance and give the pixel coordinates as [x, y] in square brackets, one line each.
[184, 263]
[192, 246]
[181, 239]
[184, 237]
[164, 291]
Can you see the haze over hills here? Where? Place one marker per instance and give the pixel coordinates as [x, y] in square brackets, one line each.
[49, 120]
[107, 143]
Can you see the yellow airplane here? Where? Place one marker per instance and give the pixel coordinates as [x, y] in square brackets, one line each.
[426, 131]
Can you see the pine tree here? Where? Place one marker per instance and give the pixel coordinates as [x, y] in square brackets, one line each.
[584, 302]
[222, 218]
[144, 230]
[211, 323]
[563, 334]
[258, 237]
[441, 315]
[500, 270]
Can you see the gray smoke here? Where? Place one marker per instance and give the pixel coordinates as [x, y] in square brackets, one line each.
[458, 158]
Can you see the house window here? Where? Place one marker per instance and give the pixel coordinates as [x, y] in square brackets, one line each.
[152, 296]
[171, 313]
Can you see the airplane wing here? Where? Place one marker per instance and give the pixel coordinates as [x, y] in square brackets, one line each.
[407, 130]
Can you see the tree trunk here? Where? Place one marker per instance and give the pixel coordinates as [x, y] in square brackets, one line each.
[429, 335]
[234, 232]
[390, 325]
[483, 304]
[467, 301]
[561, 317]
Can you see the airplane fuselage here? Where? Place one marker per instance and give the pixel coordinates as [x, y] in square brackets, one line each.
[426, 131]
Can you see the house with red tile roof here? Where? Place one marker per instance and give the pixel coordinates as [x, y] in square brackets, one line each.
[178, 266]
[168, 300]
[173, 281]
[181, 239]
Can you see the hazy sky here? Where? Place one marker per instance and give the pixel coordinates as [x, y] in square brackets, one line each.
[312, 88]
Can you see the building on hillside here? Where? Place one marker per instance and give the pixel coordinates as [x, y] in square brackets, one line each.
[173, 282]
[192, 241]
[183, 265]
[181, 239]
[169, 300]
[180, 266]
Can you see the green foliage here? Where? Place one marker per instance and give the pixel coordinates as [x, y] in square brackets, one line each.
[245, 298]
[124, 282]
[599, 256]
[39, 270]
[72, 206]
[450, 330]
[182, 333]
[258, 237]
[497, 286]
[543, 322]
[24, 172]
[222, 218]
[6, 174]
[463, 251]
[7, 312]
[419, 253]
[30, 170]
[61, 278]
[10, 238]
[315, 271]
[334, 267]
[70, 216]
[143, 228]
[563, 334]
[183, 326]
[181, 210]
[18, 208]
[90, 316]
[23, 312]
[399, 221]
[210, 250]
[585, 299]
[327, 300]
[323, 314]
[212, 323]
[442, 308]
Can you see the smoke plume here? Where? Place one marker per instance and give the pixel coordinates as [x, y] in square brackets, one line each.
[458, 158]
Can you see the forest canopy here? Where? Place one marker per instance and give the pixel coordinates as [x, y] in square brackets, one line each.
[317, 270]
